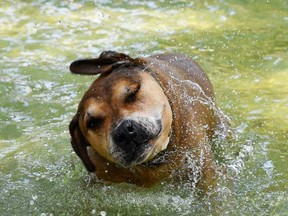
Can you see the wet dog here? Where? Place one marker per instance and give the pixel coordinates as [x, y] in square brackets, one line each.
[145, 120]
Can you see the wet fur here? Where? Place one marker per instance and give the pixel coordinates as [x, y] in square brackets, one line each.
[189, 129]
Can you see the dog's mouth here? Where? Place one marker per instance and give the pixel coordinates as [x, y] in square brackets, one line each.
[142, 153]
[133, 144]
[137, 157]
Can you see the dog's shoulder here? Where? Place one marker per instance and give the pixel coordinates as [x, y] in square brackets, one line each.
[181, 67]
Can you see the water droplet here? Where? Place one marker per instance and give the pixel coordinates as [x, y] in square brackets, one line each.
[103, 213]
[34, 197]
[223, 18]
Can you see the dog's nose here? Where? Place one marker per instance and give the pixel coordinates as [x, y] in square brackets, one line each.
[130, 134]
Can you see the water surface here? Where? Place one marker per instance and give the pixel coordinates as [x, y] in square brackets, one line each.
[242, 45]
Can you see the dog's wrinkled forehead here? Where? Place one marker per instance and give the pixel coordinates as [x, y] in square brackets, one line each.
[113, 68]
[119, 82]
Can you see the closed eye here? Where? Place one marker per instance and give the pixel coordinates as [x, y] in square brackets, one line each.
[94, 123]
[132, 95]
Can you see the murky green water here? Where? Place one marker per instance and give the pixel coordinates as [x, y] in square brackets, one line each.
[243, 46]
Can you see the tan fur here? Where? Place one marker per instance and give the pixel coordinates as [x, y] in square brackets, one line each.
[172, 87]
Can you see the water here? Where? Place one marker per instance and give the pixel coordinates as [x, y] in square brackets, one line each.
[241, 44]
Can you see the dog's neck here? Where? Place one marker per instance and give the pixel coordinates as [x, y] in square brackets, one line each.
[160, 159]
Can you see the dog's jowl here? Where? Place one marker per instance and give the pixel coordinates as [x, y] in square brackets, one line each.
[142, 119]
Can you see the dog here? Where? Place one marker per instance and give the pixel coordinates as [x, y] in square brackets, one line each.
[146, 120]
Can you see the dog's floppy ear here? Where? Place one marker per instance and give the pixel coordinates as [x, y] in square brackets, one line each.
[79, 144]
[106, 62]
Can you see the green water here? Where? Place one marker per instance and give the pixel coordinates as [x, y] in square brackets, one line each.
[242, 45]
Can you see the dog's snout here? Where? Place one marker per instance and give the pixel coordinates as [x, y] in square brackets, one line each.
[129, 134]
[129, 127]
[131, 138]
[125, 133]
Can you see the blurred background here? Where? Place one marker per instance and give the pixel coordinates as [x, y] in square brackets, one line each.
[241, 44]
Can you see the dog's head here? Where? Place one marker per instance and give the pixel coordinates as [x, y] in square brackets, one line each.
[124, 116]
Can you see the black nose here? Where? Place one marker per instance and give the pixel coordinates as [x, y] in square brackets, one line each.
[129, 134]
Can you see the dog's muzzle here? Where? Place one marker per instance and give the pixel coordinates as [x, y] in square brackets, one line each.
[132, 139]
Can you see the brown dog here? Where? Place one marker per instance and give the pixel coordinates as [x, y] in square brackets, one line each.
[145, 120]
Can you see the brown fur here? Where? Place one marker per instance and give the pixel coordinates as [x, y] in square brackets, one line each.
[168, 82]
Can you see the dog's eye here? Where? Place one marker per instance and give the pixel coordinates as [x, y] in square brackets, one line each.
[94, 123]
[131, 95]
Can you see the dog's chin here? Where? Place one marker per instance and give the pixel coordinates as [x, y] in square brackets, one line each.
[130, 164]
[129, 161]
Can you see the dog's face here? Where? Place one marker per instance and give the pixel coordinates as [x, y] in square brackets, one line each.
[124, 116]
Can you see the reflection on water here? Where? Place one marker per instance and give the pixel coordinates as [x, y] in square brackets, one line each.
[241, 44]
